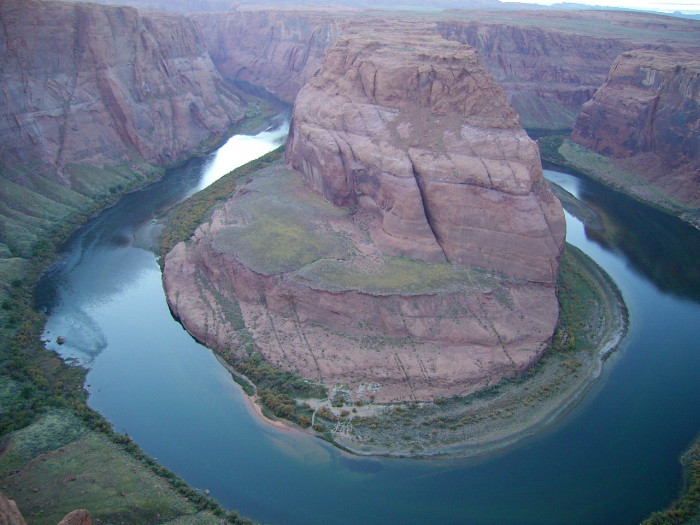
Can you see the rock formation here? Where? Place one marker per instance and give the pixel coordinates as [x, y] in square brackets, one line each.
[424, 141]
[77, 517]
[646, 115]
[97, 85]
[428, 267]
[9, 513]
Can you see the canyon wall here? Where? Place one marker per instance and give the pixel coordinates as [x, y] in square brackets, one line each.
[548, 63]
[279, 50]
[547, 74]
[646, 115]
[96, 85]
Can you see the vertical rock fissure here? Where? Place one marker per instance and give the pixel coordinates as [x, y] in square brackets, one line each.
[426, 212]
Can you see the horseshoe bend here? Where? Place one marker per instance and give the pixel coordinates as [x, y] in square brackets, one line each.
[407, 250]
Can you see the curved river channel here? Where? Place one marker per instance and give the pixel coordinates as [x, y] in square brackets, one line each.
[612, 459]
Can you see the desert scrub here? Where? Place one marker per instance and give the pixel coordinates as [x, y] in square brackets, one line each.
[184, 219]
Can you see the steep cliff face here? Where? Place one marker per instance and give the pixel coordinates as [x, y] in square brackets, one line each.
[548, 63]
[646, 115]
[422, 140]
[547, 74]
[97, 85]
[279, 50]
[426, 269]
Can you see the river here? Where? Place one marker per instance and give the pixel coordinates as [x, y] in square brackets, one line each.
[612, 459]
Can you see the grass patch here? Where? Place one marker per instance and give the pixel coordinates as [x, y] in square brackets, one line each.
[187, 216]
[395, 275]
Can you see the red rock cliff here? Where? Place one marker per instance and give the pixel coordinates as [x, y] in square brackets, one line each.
[279, 50]
[91, 84]
[649, 109]
[419, 137]
[419, 153]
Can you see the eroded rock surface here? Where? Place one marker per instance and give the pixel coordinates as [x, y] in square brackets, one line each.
[412, 255]
[416, 135]
[97, 85]
[646, 115]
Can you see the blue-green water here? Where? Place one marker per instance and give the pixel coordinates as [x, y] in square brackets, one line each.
[612, 459]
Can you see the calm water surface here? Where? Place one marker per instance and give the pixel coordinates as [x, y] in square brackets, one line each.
[613, 459]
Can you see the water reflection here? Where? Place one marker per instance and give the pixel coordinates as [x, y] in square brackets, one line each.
[102, 260]
[660, 247]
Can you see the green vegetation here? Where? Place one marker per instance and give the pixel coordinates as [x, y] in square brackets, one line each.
[392, 274]
[572, 158]
[686, 510]
[186, 217]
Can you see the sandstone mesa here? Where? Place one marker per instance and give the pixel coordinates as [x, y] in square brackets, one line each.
[427, 172]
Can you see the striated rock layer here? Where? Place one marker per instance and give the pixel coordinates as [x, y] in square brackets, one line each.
[427, 268]
[548, 62]
[97, 85]
[421, 140]
[646, 115]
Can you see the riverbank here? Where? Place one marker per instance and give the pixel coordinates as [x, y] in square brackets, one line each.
[561, 153]
[508, 412]
[513, 409]
[40, 396]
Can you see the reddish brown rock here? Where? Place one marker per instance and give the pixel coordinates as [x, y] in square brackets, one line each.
[77, 517]
[548, 62]
[428, 267]
[9, 513]
[97, 85]
[338, 311]
[413, 132]
[279, 50]
[646, 117]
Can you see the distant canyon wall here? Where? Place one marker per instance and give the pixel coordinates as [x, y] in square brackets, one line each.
[547, 72]
[278, 50]
[98, 85]
[647, 116]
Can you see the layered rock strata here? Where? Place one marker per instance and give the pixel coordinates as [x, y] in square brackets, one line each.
[279, 50]
[421, 140]
[97, 85]
[412, 255]
[647, 115]
[548, 62]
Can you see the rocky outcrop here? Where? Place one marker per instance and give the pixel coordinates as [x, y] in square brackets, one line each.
[280, 50]
[422, 140]
[428, 267]
[77, 517]
[320, 300]
[98, 85]
[9, 513]
[646, 116]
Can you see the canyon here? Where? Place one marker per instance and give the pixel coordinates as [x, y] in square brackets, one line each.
[548, 64]
[376, 288]
[428, 268]
[99, 85]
